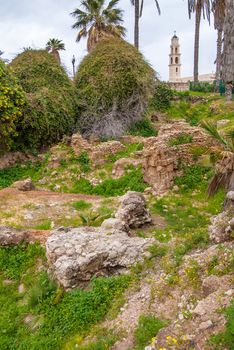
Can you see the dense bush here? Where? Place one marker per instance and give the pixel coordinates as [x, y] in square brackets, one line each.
[114, 84]
[12, 99]
[50, 110]
[162, 97]
[203, 86]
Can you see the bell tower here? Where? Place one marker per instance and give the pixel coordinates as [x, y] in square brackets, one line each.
[175, 60]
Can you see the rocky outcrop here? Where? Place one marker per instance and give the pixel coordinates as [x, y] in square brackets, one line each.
[11, 237]
[133, 211]
[76, 255]
[162, 160]
[24, 185]
[222, 225]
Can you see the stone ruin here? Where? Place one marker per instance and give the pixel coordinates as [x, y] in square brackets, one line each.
[97, 151]
[162, 162]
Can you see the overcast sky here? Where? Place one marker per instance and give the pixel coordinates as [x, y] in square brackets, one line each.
[32, 22]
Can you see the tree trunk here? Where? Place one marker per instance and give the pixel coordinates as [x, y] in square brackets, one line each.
[137, 17]
[228, 49]
[196, 42]
[229, 88]
[219, 57]
[56, 55]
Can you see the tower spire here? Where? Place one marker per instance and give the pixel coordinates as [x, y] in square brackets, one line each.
[175, 60]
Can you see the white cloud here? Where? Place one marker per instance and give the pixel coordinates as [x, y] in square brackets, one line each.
[31, 23]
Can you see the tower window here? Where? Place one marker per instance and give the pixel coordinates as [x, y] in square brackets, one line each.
[171, 60]
[176, 60]
[176, 70]
[176, 50]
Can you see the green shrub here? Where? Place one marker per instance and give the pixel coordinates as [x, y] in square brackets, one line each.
[114, 84]
[12, 100]
[203, 86]
[181, 139]
[148, 327]
[162, 97]
[143, 128]
[50, 110]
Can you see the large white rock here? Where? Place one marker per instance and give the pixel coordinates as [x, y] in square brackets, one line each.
[76, 255]
[132, 210]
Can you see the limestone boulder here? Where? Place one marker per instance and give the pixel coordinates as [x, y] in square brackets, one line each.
[24, 185]
[132, 210]
[76, 255]
[222, 227]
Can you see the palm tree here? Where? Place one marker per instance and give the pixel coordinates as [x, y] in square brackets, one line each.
[218, 9]
[199, 7]
[53, 46]
[138, 13]
[228, 48]
[98, 22]
[224, 168]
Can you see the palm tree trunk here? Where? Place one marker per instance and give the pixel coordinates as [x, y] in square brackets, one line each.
[219, 57]
[137, 18]
[56, 55]
[228, 49]
[197, 38]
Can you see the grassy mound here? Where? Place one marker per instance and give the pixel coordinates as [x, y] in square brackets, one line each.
[114, 84]
[50, 111]
[12, 99]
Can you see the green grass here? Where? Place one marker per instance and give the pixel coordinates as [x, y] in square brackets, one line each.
[9, 175]
[130, 149]
[131, 181]
[44, 225]
[81, 205]
[148, 327]
[225, 339]
[55, 316]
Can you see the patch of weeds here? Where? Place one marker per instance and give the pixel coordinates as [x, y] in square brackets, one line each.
[181, 139]
[192, 176]
[84, 161]
[192, 273]
[14, 261]
[45, 225]
[81, 205]
[130, 148]
[157, 251]
[104, 339]
[9, 175]
[212, 265]
[226, 338]
[162, 235]
[148, 328]
[131, 181]
[143, 128]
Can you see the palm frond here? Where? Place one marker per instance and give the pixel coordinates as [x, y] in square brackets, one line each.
[213, 131]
